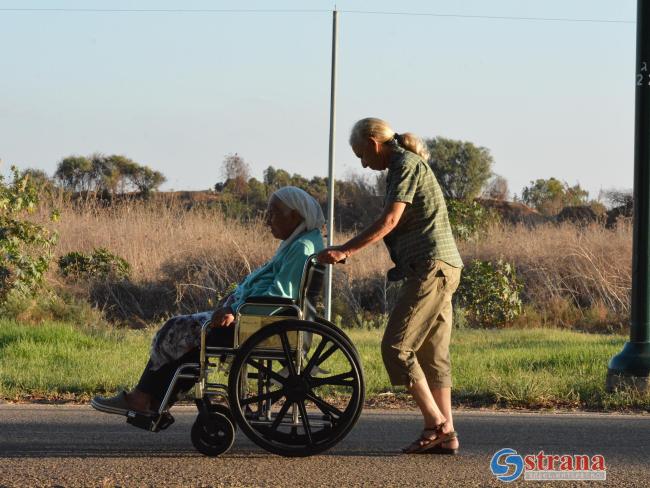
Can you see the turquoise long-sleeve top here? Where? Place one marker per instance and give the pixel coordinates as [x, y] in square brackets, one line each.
[281, 276]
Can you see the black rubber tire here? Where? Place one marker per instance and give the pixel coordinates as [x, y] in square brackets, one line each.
[224, 410]
[215, 439]
[305, 444]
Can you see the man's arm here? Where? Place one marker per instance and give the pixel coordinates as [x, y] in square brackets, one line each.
[386, 222]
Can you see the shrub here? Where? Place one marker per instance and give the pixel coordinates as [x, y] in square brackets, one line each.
[101, 264]
[489, 293]
[25, 246]
[50, 306]
[469, 220]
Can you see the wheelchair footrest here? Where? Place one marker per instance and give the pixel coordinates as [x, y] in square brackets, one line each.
[152, 423]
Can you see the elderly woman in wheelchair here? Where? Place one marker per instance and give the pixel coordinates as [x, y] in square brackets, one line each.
[294, 381]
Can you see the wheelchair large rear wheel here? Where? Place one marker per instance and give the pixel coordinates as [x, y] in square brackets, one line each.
[296, 407]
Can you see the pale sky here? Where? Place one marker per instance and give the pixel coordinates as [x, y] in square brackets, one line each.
[178, 91]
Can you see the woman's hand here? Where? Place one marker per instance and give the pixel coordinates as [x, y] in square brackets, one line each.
[332, 255]
[222, 317]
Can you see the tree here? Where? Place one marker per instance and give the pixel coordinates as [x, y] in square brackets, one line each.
[146, 180]
[107, 174]
[551, 195]
[236, 173]
[618, 198]
[462, 169]
[276, 178]
[126, 172]
[496, 189]
[74, 173]
[258, 193]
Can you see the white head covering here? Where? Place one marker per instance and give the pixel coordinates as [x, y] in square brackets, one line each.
[306, 205]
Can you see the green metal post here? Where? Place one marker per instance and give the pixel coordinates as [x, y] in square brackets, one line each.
[631, 367]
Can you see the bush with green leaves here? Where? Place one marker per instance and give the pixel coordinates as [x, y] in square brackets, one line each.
[489, 293]
[100, 264]
[469, 220]
[25, 246]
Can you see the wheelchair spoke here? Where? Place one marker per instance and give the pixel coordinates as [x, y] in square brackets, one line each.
[317, 353]
[324, 407]
[326, 354]
[277, 377]
[343, 379]
[287, 352]
[305, 420]
[274, 396]
[281, 413]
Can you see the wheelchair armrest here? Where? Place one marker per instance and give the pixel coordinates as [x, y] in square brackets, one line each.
[268, 300]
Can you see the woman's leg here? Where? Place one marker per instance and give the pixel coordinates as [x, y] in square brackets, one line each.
[152, 387]
[406, 330]
[442, 397]
[405, 350]
[432, 413]
[434, 356]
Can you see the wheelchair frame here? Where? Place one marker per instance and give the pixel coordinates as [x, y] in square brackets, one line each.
[214, 429]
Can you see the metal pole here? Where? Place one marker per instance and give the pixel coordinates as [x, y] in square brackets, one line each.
[631, 367]
[330, 180]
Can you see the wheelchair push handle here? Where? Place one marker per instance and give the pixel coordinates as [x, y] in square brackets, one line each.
[314, 259]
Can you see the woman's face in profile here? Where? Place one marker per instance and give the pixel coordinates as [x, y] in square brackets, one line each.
[367, 151]
[281, 219]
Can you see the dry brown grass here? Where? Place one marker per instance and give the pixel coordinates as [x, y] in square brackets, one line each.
[591, 265]
[182, 259]
[587, 269]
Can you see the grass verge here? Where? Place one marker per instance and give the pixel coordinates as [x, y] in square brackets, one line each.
[535, 368]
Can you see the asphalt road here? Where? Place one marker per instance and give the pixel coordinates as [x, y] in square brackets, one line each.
[46, 445]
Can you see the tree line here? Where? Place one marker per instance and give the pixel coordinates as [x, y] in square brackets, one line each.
[463, 169]
[106, 175]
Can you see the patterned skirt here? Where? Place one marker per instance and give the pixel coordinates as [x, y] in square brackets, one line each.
[176, 337]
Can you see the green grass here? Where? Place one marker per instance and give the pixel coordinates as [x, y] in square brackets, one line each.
[534, 368]
[58, 360]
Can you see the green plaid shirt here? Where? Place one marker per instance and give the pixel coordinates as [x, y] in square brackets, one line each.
[423, 232]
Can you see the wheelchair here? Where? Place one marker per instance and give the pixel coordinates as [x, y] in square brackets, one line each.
[295, 384]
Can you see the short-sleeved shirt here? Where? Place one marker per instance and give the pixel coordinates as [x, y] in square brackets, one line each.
[423, 232]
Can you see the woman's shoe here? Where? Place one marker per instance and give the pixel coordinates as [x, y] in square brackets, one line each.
[440, 449]
[116, 404]
[426, 444]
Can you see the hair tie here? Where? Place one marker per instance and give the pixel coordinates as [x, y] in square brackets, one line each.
[396, 136]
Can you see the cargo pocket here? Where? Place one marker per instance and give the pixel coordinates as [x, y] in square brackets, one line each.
[450, 277]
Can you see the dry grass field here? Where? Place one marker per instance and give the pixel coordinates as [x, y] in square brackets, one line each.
[182, 259]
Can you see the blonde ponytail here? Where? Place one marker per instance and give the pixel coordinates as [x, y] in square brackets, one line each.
[380, 131]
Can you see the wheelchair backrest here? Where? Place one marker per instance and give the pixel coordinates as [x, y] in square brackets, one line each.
[311, 286]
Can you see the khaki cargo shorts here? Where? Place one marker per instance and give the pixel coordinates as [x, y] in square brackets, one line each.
[416, 342]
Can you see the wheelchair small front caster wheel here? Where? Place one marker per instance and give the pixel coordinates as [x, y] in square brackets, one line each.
[215, 437]
[223, 410]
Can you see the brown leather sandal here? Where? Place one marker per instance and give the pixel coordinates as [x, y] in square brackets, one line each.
[440, 449]
[426, 444]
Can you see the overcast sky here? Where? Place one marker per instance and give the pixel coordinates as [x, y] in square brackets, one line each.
[179, 91]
